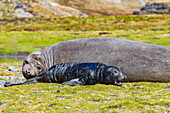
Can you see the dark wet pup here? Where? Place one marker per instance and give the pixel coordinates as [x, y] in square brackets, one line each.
[79, 74]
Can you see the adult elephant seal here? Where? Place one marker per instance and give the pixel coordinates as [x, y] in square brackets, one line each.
[139, 61]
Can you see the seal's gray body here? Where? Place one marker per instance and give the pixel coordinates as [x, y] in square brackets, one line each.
[139, 61]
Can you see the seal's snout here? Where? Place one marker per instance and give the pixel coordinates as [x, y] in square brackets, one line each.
[27, 72]
[121, 77]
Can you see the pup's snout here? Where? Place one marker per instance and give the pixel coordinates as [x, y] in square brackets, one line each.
[125, 77]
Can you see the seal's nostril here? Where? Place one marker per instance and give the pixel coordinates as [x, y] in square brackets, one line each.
[27, 72]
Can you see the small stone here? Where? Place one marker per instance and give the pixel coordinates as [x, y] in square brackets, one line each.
[3, 105]
[115, 107]
[95, 100]
[113, 95]
[139, 88]
[26, 102]
[52, 105]
[168, 87]
[60, 87]
[137, 97]
[74, 92]
[168, 107]
[8, 93]
[134, 92]
[67, 107]
[134, 85]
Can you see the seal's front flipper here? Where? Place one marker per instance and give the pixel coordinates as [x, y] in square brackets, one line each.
[29, 81]
[78, 81]
[7, 84]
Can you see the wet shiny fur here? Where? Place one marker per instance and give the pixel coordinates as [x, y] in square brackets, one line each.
[79, 74]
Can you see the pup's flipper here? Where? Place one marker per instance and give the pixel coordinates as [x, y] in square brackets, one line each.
[8, 84]
[29, 81]
[77, 81]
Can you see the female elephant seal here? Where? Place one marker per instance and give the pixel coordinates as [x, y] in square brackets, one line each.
[139, 61]
[79, 74]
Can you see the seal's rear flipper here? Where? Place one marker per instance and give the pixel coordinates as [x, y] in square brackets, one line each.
[78, 81]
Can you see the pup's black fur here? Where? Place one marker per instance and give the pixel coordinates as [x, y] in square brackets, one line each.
[79, 74]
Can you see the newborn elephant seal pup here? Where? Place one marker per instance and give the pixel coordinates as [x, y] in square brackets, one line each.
[79, 74]
[138, 61]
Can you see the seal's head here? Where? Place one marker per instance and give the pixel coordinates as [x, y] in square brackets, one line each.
[114, 75]
[32, 66]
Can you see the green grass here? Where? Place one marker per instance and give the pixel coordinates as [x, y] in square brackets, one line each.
[42, 97]
[28, 35]
[14, 41]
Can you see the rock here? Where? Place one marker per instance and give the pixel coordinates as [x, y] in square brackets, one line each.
[168, 87]
[168, 107]
[3, 105]
[20, 13]
[44, 8]
[154, 8]
[67, 10]
[19, 5]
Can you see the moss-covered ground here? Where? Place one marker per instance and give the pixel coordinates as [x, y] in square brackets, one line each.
[28, 35]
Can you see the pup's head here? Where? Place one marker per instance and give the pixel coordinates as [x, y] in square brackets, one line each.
[114, 75]
[32, 66]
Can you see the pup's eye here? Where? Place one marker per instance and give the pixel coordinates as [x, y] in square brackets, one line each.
[38, 67]
[115, 72]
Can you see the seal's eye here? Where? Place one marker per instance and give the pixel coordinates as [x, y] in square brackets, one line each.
[38, 67]
[115, 72]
